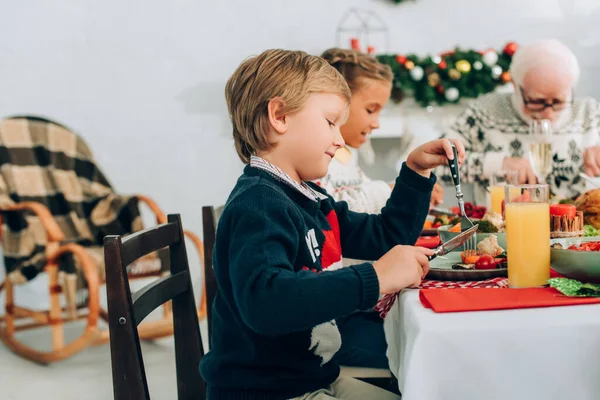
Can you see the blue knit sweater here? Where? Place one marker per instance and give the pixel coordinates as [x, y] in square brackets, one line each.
[276, 261]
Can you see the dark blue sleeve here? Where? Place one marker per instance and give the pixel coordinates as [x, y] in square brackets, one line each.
[370, 236]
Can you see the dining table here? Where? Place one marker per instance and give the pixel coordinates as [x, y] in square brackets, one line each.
[482, 340]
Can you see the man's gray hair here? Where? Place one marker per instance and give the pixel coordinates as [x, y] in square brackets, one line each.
[545, 53]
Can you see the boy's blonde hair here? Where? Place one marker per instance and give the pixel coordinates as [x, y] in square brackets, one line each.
[356, 66]
[291, 76]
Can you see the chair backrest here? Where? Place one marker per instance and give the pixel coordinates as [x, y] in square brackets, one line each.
[210, 280]
[126, 311]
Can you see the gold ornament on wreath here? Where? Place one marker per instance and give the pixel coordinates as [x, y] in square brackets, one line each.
[454, 74]
[409, 65]
[433, 79]
[463, 66]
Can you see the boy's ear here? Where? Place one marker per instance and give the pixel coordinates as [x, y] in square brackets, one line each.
[277, 118]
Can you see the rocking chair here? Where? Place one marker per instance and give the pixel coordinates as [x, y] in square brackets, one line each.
[56, 207]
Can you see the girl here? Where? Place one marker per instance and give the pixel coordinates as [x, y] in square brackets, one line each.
[371, 84]
[363, 339]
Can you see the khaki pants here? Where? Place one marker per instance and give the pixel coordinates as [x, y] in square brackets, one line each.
[346, 388]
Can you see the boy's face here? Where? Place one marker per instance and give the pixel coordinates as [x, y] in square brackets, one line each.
[313, 136]
[367, 103]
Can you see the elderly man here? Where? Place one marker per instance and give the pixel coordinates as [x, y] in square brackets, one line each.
[495, 128]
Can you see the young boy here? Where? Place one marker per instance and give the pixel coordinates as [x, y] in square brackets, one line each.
[280, 239]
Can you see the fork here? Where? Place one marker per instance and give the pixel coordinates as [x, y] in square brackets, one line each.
[465, 222]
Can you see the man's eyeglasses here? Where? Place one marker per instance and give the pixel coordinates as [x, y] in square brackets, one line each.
[541, 104]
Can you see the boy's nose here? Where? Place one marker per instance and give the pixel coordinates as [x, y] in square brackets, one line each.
[338, 140]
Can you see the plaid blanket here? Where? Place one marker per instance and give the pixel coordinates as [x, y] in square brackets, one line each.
[45, 162]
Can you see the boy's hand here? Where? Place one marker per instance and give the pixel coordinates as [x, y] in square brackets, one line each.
[402, 267]
[433, 154]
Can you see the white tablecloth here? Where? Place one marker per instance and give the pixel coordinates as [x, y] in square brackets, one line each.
[530, 354]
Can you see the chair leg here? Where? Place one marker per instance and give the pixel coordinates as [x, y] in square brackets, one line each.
[200, 249]
[55, 314]
[53, 318]
[70, 290]
[9, 307]
[168, 309]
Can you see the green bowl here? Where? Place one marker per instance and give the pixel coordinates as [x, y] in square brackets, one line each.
[445, 236]
[580, 265]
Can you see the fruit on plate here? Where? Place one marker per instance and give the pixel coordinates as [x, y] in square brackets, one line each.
[485, 262]
[565, 221]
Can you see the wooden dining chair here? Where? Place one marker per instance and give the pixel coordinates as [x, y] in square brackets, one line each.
[209, 219]
[209, 231]
[127, 310]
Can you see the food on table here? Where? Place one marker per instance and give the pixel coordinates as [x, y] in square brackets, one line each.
[491, 223]
[464, 266]
[492, 258]
[589, 204]
[485, 262]
[472, 211]
[587, 246]
[501, 262]
[455, 228]
[428, 224]
[567, 201]
[469, 256]
[486, 227]
[490, 246]
[565, 221]
[589, 230]
[445, 220]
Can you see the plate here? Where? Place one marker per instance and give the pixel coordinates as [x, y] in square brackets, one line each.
[440, 269]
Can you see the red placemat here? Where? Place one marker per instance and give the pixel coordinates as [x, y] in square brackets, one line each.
[482, 299]
[385, 304]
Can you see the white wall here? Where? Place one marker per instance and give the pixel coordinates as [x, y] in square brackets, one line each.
[142, 81]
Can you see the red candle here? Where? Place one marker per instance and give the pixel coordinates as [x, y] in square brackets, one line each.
[354, 44]
[371, 49]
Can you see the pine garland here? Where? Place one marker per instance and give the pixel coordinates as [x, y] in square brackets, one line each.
[450, 76]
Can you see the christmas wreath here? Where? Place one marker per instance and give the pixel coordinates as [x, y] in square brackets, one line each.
[450, 76]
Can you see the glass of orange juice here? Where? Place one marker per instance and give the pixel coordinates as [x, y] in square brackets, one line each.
[527, 215]
[498, 183]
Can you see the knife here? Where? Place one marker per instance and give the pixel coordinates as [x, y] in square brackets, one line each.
[439, 211]
[453, 243]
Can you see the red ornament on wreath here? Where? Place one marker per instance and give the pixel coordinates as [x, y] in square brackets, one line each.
[440, 89]
[401, 59]
[505, 77]
[510, 49]
[443, 64]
